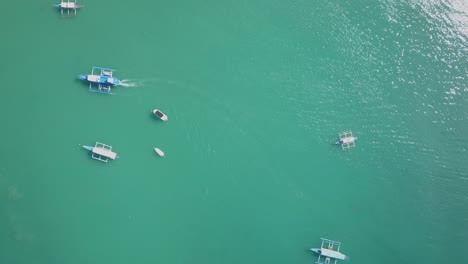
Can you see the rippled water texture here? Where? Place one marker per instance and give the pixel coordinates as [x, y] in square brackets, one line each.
[256, 92]
[399, 78]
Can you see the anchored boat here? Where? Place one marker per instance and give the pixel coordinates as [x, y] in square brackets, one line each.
[346, 140]
[101, 152]
[104, 80]
[160, 114]
[160, 152]
[67, 6]
[329, 250]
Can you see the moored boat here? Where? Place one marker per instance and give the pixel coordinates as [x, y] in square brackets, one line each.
[329, 252]
[68, 6]
[346, 140]
[160, 114]
[160, 152]
[101, 152]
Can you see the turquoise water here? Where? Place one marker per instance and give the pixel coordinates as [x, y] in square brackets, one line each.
[256, 93]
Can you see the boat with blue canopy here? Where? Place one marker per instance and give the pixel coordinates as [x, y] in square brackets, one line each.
[102, 81]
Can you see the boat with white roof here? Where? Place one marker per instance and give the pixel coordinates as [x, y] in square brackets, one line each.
[329, 250]
[68, 6]
[101, 152]
[160, 152]
[346, 140]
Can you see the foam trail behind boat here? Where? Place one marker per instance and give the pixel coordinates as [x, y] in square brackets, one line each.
[129, 83]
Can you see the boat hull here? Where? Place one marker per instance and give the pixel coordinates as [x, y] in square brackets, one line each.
[88, 148]
[103, 80]
[346, 140]
[329, 253]
[159, 152]
[83, 77]
[68, 5]
[316, 250]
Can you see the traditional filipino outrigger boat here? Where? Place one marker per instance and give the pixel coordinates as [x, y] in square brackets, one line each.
[104, 80]
[101, 152]
[346, 140]
[329, 250]
[68, 6]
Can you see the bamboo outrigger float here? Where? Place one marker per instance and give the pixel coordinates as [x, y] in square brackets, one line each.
[101, 152]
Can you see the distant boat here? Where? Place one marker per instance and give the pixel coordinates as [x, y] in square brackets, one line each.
[67, 6]
[160, 114]
[329, 250]
[160, 152]
[101, 152]
[346, 140]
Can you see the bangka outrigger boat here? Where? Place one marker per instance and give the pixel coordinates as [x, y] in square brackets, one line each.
[346, 140]
[101, 152]
[67, 6]
[104, 80]
[329, 250]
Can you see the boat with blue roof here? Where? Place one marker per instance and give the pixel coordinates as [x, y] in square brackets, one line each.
[102, 81]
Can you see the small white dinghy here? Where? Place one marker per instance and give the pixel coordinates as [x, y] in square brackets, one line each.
[160, 114]
[160, 152]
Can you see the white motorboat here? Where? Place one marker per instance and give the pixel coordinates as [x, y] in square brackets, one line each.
[160, 152]
[160, 114]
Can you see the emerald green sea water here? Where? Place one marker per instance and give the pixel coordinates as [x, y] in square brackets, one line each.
[256, 93]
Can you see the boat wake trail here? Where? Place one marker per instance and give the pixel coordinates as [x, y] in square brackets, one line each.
[129, 83]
